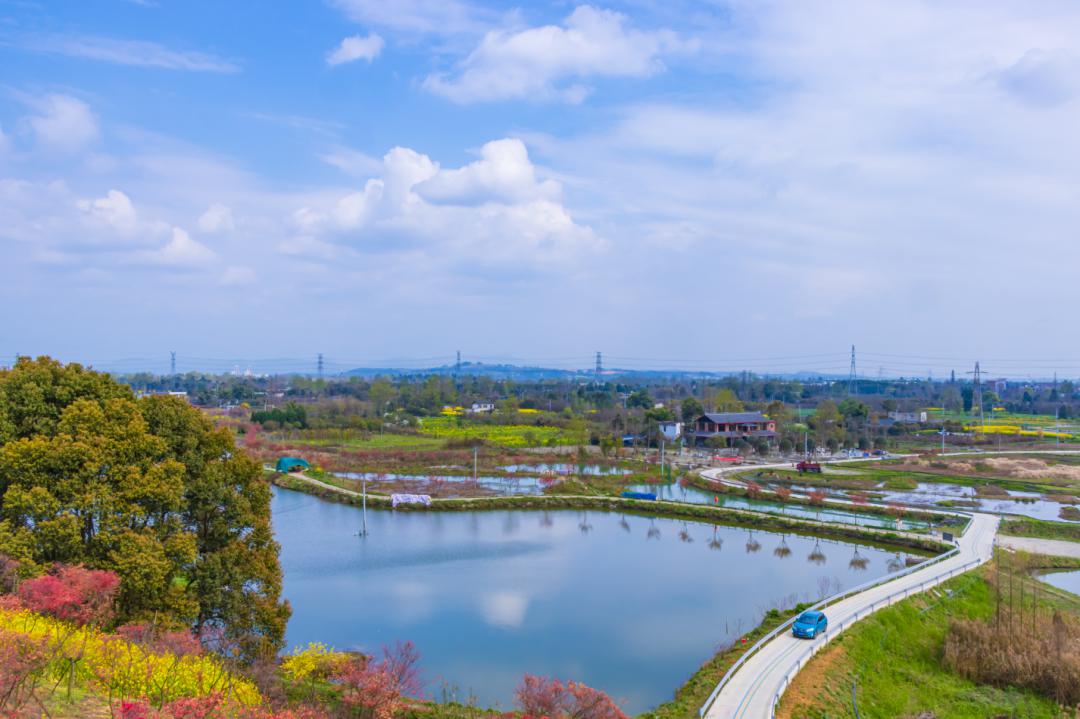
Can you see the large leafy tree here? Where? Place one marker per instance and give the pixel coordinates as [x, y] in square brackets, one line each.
[147, 488]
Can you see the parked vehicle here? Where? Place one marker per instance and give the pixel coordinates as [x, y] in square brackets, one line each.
[810, 624]
[806, 467]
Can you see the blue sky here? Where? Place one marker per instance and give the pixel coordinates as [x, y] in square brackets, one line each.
[688, 180]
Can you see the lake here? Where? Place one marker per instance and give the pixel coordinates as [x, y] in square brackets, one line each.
[625, 603]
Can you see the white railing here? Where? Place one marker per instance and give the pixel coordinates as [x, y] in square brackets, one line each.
[820, 605]
[881, 603]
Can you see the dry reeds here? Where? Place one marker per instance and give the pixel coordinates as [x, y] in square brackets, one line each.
[1044, 655]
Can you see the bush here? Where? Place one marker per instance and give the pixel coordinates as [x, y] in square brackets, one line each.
[74, 594]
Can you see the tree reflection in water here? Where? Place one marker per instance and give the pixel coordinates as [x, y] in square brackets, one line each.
[752, 545]
[684, 533]
[584, 525]
[816, 556]
[782, 550]
[624, 524]
[858, 561]
[654, 531]
[715, 543]
[546, 520]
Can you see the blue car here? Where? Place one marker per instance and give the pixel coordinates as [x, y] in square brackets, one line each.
[810, 624]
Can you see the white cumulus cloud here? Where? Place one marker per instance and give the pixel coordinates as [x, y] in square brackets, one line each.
[356, 47]
[64, 123]
[493, 212]
[504, 173]
[114, 209]
[531, 63]
[179, 252]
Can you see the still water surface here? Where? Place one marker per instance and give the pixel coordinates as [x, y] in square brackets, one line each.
[626, 603]
[1069, 581]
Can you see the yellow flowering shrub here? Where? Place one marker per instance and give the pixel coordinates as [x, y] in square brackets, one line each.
[118, 668]
[316, 660]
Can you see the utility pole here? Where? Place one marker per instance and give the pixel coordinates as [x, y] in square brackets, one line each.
[475, 451]
[363, 532]
[851, 374]
[662, 459]
[320, 365]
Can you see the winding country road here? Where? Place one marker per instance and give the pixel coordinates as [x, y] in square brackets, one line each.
[751, 692]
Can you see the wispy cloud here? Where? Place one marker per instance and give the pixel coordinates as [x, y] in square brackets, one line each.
[356, 47]
[135, 53]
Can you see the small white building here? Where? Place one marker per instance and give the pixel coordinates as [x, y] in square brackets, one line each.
[908, 417]
[482, 408]
[671, 430]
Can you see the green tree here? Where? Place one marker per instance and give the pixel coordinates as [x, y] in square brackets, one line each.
[691, 409]
[639, 399]
[725, 400]
[149, 489]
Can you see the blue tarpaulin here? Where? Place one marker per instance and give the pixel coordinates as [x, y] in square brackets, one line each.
[291, 464]
[639, 495]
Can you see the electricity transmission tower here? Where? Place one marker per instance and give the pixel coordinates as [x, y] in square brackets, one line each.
[172, 363]
[976, 393]
[599, 364]
[457, 364]
[320, 365]
[851, 374]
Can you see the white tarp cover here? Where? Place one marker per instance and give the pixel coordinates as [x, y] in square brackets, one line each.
[396, 499]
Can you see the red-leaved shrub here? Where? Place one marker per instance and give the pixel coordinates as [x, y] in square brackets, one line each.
[546, 697]
[74, 594]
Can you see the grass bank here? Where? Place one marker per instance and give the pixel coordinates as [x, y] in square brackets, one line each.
[880, 660]
[1040, 529]
[938, 519]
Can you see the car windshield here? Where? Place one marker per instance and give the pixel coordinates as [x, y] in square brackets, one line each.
[809, 617]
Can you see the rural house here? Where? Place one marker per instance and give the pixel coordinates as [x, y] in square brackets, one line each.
[732, 426]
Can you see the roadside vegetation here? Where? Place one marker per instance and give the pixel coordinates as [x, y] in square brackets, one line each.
[992, 642]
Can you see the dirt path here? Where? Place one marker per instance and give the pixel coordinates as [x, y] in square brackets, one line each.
[1049, 547]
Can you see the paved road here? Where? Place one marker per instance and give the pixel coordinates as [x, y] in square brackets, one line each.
[1049, 547]
[749, 693]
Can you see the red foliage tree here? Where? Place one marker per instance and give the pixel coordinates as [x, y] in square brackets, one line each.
[375, 689]
[75, 594]
[753, 489]
[817, 497]
[22, 659]
[156, 639]
[547, 697]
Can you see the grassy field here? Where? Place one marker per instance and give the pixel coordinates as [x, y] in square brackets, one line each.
[899, 649]
[355, 440]
[506, 435]
[1040, 529]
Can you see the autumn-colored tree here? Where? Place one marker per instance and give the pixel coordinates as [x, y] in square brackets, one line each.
[374, 689]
